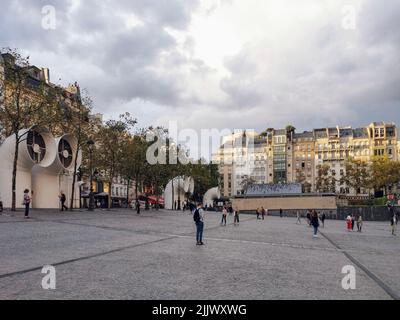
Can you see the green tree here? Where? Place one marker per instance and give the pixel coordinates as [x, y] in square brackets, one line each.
[384, 173]
[110, 140]
[324, 181]
[24, 102]
[356, 175]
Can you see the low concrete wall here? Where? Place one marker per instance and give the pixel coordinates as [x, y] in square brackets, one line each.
[286, 203]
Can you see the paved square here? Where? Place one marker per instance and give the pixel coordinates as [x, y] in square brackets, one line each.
[120, 255]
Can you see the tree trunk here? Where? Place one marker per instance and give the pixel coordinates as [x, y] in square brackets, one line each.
[136, 185]
[127, 192]
[110, 195]
[172, 185]
[14, 173]
[71, 205]
[156, 191]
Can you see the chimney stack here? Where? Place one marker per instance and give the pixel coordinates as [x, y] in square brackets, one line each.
[46, 75]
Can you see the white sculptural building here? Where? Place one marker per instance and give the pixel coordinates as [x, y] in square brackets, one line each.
[45, 167]
[210, 196]
[176, 190]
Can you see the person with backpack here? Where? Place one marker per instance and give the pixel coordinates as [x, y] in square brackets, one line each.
[315, 222]
[26, 202]
[63, 198]
[198, 217]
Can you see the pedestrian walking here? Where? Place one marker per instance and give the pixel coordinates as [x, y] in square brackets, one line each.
[309, 217]
[198, 217]
[280, 213]
[263, 213]
[298, 221]
[323, 217]
[353, 222]
[393, 224]
[315, 223]
[63, 198]
[349, 223]
[137, 206]
[258, 213]
[359, 223]
[224, 213]
[236, 217]
[26, 202]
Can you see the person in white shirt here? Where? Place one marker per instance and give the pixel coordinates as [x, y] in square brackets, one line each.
[224, 213]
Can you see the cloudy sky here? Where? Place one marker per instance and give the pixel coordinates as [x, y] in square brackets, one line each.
[220, 63]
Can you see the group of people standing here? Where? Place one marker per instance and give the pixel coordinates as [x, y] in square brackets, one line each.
[26, 201]
[199, 214]
[351, 222]
[313, 220]
[230, 210]
[261, 212]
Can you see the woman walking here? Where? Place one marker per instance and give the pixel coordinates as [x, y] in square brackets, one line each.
[236, 217]
[315, 223]
[349, 223]
[224, 213]
[26, 202]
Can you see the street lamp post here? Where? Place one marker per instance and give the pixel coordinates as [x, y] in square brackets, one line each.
[90, 145]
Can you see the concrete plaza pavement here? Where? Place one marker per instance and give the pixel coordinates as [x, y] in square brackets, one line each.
[121, 255]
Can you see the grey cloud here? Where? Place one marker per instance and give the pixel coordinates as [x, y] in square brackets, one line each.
[332, 76]
[327, 76]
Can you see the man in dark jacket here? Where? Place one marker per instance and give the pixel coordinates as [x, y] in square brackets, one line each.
[63, 198]
[198, 217]
[315, 222]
